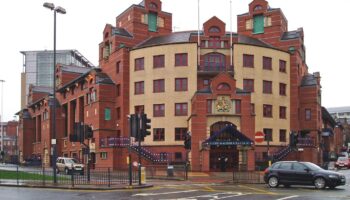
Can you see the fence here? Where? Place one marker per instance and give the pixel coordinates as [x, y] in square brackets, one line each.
[178, 172]
[42, 176]
[251, 177]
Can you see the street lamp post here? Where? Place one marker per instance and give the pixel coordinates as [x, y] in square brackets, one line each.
[1, 118]
[55, 10]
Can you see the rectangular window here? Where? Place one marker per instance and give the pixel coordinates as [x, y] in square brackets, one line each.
[139, 64]
[180, 84]
[158, 134]
[181, 109]
[252, 109]
[267, 63]
[178, 156]
[283, 66]
[283, 88]
[139, 87]
[118, 90]
[267, 110]
[103, 155]
[206, 82]
[283, 134]
[248, 85]
[268, 134]
[267, 87]
[158, 110]
[181, 59]
[107, 114]
[158, 85]
[283, 111]
[209, 106]
[307, 114]
[158, 61]
[117, 68]
[139, 109]
[238, 106]
[118, 113]
[248, 60]
[180, 134]
[258, 24]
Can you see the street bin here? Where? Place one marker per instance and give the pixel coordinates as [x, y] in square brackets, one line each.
[143, 175]
[170, 170]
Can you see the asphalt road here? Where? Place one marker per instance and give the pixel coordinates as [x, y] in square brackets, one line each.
[178, 190]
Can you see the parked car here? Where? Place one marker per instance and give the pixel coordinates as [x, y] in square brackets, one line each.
[342, 162]
[290, 173]
[69, 165]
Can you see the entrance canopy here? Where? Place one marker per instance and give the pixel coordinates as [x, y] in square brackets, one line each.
[228, 136]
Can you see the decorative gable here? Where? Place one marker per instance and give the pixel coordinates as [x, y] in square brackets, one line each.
[214, 27]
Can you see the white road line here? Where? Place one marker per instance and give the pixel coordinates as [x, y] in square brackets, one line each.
[155, 194]
[237, 195]
[290, 197]
[213, 196]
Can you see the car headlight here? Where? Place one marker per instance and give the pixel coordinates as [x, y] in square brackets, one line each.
[333, 176]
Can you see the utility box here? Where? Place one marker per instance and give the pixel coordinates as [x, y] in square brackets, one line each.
[143, 175]
[170, 170]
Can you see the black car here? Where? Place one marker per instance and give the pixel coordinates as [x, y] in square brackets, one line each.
[290, 173]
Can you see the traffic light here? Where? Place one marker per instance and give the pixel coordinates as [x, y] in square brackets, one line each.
[187, 142]
[145, 126]
[134, 124]
[88, 132]
[73, 138]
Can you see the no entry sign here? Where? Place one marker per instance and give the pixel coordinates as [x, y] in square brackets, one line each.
[259, 137]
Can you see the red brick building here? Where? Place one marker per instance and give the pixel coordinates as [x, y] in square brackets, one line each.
[221, 93]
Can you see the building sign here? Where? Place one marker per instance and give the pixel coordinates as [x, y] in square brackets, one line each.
[228, 143]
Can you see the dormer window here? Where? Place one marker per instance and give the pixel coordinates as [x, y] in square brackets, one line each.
[258, 24]
[214, 29]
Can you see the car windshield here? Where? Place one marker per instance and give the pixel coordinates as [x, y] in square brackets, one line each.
[342, 159]
[312, 166]
[72, 161]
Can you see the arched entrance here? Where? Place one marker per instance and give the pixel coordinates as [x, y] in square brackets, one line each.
[226, 147]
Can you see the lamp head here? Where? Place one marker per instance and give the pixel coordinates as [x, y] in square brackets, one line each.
[60, 10]
[50, 6]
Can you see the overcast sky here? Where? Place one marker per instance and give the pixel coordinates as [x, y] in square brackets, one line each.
[27, 25]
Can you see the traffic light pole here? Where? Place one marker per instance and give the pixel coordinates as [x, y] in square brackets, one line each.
[139, 140]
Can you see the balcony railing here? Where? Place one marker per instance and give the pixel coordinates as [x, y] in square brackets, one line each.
[215, 68]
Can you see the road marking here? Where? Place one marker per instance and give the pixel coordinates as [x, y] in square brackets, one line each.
[258, 190]
[155, 194]
[215, 196]
[290, 197]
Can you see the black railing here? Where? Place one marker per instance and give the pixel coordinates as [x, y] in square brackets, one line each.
[215, 68]
[15, 175]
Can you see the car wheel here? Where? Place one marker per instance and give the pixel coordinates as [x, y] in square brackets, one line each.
[66, 171]
[57, 171]
[273, 182]
[320, 183]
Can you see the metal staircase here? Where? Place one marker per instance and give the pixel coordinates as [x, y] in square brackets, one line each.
[122, 142]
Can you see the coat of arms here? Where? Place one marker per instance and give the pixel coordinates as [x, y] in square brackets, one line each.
[223, 105]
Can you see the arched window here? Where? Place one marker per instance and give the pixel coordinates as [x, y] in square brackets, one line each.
[214, 62]
[214, 29]
[224, 87]
[153, 6]
[258, 7]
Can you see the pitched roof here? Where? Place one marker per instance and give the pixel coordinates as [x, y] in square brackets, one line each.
[309, 80]
[290, 35]
[176, 37]
[43, 89]
[75, 69]
[253, 41]
[120, 31]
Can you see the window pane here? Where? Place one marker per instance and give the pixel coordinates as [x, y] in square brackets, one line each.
[107, 114]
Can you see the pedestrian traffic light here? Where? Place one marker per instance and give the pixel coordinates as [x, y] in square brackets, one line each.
[145, 125]
[187, 142]
[73, 138]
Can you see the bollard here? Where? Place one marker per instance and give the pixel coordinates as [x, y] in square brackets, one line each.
[43, 173]
[17, 174]
[72, 179]
[109, 177]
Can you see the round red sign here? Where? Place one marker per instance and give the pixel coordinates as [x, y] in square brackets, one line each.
[259, 137]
